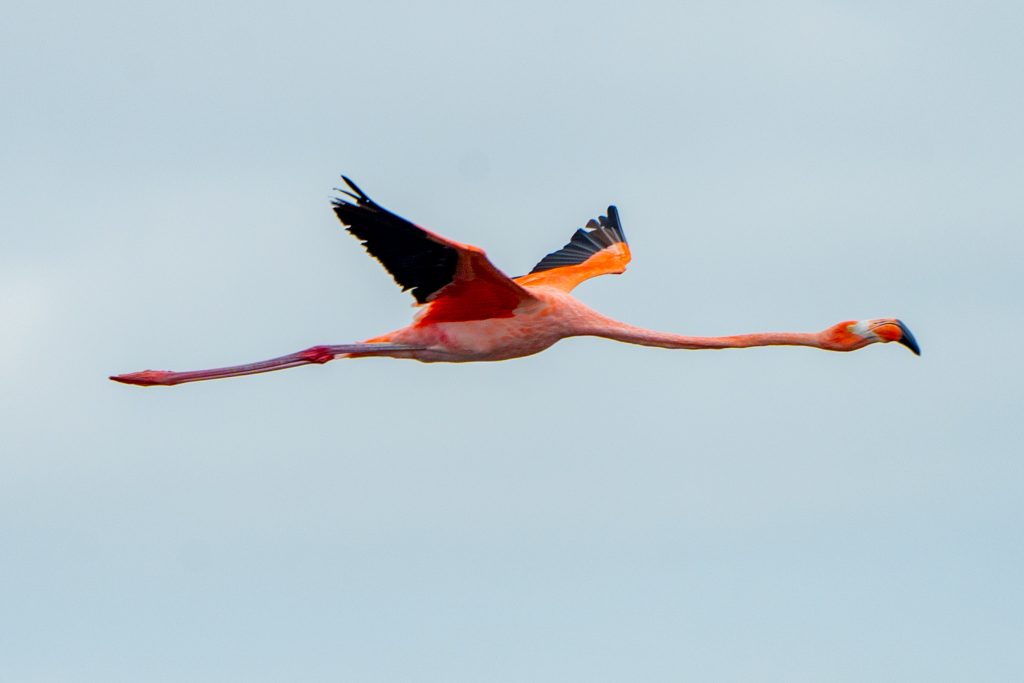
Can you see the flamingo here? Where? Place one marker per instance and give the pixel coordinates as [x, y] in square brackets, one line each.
[471, 311]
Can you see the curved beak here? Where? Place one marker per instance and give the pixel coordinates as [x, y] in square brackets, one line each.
[908, 338]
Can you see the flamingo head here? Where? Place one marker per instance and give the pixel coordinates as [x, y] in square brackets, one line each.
[851, 335]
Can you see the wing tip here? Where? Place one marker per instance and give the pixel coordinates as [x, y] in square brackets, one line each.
[355, 188]
[613, 215]
[354, 192]
[598, 234]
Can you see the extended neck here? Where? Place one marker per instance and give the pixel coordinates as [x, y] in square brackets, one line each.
[612, 329]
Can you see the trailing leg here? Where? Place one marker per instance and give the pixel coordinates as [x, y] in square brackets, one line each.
[313, 355]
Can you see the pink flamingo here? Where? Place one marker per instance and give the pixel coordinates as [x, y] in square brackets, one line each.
[471, 311]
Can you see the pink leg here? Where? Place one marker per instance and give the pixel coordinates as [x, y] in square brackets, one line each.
[315, 354]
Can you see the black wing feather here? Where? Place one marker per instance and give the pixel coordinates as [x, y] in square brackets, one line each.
[416, 261]
[602, 232]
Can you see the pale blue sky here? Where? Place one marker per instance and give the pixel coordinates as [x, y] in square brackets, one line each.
[596, 513]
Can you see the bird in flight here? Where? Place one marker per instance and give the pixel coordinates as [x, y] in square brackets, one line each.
[471, 311]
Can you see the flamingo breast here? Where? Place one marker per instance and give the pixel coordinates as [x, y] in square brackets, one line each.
[531, 329]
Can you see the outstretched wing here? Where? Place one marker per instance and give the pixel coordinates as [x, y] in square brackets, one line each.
[598, 249]
[457, 280]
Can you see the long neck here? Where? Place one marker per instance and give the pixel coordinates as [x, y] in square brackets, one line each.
[613, 329]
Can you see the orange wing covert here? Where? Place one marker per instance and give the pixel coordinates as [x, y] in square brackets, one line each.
[601, 249]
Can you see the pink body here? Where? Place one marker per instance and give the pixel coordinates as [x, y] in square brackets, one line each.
[534, 327]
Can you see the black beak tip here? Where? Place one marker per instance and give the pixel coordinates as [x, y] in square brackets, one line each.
[908, 338]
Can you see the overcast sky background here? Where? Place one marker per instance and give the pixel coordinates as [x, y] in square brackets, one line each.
[599, 512]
